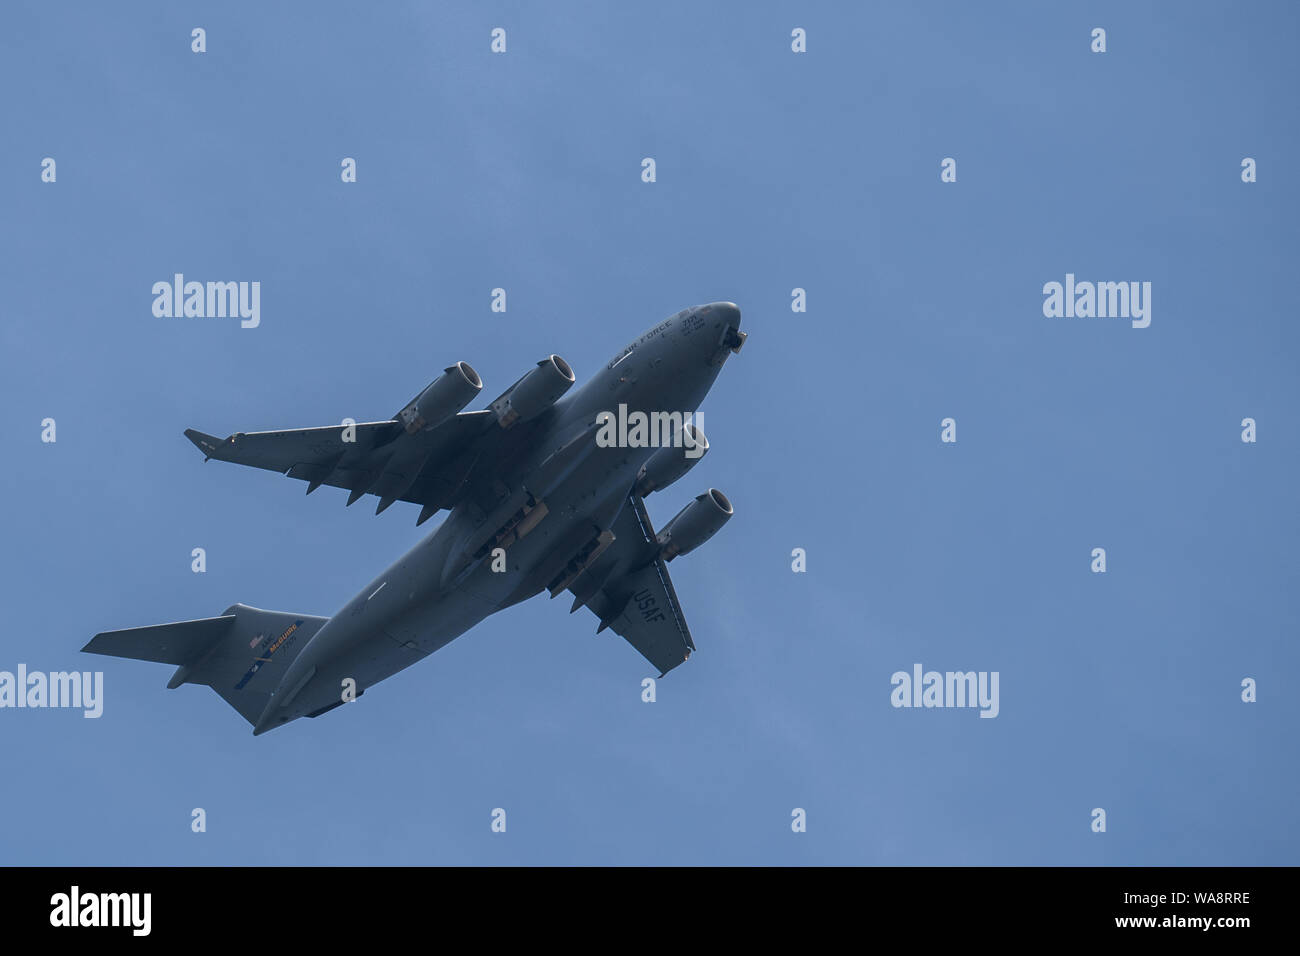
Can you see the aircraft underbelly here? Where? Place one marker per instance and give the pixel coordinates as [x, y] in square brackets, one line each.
[406, 613]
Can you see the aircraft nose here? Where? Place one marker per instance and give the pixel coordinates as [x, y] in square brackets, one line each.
[727, 312]
[725, 317]
[720, 334]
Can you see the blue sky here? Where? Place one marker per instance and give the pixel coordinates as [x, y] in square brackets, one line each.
[775, 170]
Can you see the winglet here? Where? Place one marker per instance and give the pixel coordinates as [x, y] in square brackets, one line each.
[207, 444]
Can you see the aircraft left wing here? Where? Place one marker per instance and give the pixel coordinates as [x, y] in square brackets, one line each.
[629, 589]
[384, 459]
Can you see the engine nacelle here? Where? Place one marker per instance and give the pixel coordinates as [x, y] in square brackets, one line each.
[449, 393]
[668, 464]
[696, 523]
[535, 392]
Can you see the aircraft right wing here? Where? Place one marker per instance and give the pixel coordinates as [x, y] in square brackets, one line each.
[629, 589]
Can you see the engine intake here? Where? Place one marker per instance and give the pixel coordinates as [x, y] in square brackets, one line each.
[693, 525]
[450, 392]
[535, 392]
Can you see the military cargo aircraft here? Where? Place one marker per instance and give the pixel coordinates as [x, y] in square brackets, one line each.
[539, 499]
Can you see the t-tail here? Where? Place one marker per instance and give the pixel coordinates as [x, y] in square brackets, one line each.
[242, 654]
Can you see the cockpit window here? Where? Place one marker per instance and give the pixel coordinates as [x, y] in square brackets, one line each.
[626, 352]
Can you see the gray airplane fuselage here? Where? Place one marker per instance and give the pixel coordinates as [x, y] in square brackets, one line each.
[447, 583]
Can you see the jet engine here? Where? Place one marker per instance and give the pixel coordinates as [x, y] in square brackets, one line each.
[535, 392]
[693, 525]
[449, 393]
[668, 464]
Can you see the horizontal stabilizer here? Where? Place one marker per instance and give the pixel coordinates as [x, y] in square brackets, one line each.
[180, 643]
